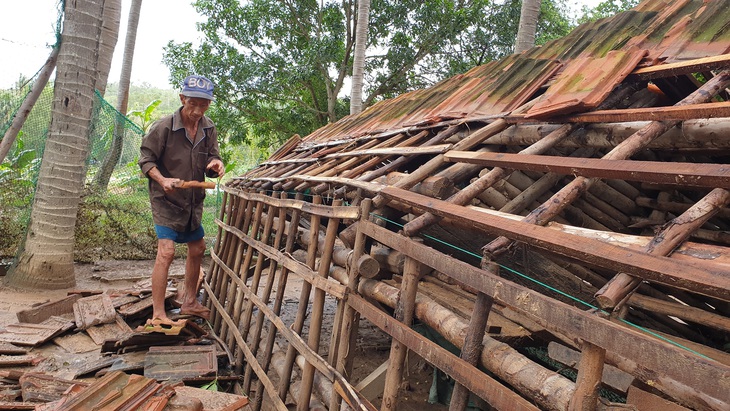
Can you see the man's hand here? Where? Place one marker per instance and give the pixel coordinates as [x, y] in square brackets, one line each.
[169, 184]
[215, 166]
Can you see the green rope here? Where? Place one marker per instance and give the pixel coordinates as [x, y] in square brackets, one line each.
[551, 288]
[544, 285]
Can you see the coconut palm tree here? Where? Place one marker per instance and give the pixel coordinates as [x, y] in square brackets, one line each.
[101, 179]
[358, 60]
[529, 13]
[45, 260]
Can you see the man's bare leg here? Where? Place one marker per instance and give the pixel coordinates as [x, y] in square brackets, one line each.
[165, 255]
[190, 303]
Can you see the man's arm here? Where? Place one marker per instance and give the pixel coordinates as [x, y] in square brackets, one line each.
[168, 184]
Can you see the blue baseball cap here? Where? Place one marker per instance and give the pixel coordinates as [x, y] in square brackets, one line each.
[197, 86]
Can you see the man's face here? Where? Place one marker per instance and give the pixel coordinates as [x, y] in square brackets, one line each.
[194, 107]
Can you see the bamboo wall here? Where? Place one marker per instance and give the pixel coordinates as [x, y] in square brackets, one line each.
[254, 262]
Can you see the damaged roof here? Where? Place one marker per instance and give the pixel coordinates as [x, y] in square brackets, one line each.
[613, 137]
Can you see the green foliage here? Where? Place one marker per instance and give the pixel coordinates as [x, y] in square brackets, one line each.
[146, 115]
[279, 67]
[606, 9]
[494, 38]
[114, 226]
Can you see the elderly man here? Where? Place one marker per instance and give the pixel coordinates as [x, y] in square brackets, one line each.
[180, 147]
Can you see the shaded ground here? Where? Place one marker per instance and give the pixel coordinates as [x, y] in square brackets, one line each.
[373, 345]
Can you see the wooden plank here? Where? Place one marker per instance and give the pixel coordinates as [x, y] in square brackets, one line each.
[561, 318]
[343, 212]
[672, 113]
[680, 68]
[675, 173]
[397, 151]
[714, 282]
[475, 380]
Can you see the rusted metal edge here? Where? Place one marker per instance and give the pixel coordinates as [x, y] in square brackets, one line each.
[344, 212]
[561, 318]
[683, 174]
[470, 376]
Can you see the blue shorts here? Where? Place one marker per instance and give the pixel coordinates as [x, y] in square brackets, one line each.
[167, 233]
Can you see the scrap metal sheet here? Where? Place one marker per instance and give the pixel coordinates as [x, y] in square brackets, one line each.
[180, 362]
[585, 83]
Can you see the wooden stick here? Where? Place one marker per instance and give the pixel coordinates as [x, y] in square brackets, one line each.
[590, 373]
[303, 302]
[195, 184]
[472, 349]
[266, 294]
[468, 193]
[315, 324]
[278, 301]
[664, 243]
[404, 313]
[435, 163]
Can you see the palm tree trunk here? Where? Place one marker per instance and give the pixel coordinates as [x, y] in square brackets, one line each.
[358, 61]
[109, 35]
[528, 25]
[102, 177]
[46, 258]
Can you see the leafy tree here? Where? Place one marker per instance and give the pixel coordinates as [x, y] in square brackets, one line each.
[606, 9]
[280, 65]
[495, 37]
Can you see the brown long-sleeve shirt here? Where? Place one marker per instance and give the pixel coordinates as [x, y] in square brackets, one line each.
[167, 147]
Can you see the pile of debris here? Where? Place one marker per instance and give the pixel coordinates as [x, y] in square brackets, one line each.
[115, 359]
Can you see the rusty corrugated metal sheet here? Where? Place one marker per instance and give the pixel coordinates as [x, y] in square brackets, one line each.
[667, 30]
[574, 90]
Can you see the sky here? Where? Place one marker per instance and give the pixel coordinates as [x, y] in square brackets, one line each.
[27, 31]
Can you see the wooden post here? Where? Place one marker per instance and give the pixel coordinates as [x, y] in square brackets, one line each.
[221, 239]
[350, 318]
[291, 236]
[291, 352]
[472, 349]
[315, 324]
[590, 373]
[405, 313]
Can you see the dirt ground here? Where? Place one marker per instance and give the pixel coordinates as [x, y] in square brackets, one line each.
[373, 344]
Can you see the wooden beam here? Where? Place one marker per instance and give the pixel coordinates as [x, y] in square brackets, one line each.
[398, 151]
[682, 67]
[668, 376]
[703, 280]
[676, 173]
[673, 113]
[476, 381]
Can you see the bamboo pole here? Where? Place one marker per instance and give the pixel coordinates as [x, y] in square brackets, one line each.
[315, 324]
[291, 236]
[405, 313]
[303, 301]
[465, 195]
[639, 140]
[221, 239]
